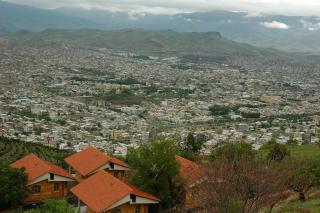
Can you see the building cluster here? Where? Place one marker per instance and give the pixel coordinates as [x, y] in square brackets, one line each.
[97, 181]
[74, 97]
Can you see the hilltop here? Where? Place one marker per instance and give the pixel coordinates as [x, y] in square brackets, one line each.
[151, 41]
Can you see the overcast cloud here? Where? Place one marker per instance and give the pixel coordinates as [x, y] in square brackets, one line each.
[286, 7]
[275, 25]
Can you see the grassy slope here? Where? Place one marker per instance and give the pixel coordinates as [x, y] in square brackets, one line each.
[305, 150]
[12, 150]
[295, 206]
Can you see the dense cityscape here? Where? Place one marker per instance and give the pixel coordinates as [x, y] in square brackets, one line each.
[70, 97]
[206, 106]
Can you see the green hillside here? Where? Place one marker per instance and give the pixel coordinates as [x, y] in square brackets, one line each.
[12, 150]
[152, 41]
[293, 205]
[296, 151]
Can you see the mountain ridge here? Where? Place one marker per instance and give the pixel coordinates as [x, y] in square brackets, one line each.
[151, 42]
[287, 33]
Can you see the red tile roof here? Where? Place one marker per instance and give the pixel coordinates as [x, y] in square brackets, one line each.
[190, 171]
[35, 167]
[100, 191]
[90, 159]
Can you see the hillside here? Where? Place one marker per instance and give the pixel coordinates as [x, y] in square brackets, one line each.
[12, 150]
[298, 33]
[152, 41]
[293, 205]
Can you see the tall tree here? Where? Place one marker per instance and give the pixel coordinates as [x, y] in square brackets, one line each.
[191, 147]
[13, 186]
[236, 180]
[155, 169]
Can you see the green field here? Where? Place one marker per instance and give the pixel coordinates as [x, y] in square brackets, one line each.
[303, 151]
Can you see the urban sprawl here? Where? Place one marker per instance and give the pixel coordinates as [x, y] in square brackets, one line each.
[73, 97]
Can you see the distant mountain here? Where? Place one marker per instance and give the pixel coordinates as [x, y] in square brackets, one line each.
[288, 33]
[152, 42]
[17, 17]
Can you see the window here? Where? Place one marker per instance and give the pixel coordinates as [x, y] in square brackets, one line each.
[51, 176]
[138, 209]
[111, 165]
[133, 198]
[36, 189]
[56, 187]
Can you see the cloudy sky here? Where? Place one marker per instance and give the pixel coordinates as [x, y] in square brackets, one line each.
[286, 7]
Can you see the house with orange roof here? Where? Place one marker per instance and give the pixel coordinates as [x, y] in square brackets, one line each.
[91, 160]
[193, 175]
[102, 192]
[45, 180]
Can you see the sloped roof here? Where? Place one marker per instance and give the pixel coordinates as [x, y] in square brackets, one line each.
[101, 190]
[91, 159]
[190, 171]
[36, 167]
[138, 192]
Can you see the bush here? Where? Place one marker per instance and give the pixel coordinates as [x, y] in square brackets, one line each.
[219, 110]
[250, 114]
[277, 152]
[54, 206]
[234, 152]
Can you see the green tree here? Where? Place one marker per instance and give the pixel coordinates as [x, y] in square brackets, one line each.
[191, 147]
[155, 169]
[233, 152]
[13, 186]
[191, 143]
[250, 114]
[277, 152]
[219, 110]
